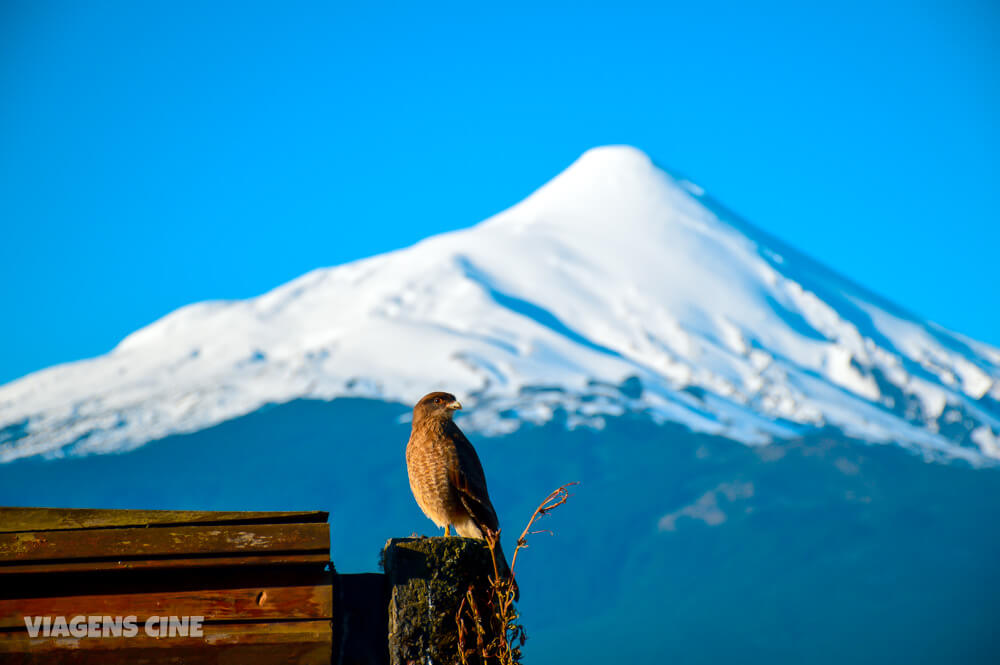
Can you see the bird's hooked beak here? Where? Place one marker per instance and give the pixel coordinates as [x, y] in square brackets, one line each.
[455, 406]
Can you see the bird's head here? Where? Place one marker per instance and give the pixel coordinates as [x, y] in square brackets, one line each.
[436, 405]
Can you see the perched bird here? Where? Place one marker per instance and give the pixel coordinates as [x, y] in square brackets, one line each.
[446, 475]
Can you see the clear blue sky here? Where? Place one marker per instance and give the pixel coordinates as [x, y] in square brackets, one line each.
[154, 154]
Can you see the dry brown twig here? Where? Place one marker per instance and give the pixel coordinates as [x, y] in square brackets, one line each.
[499, 641]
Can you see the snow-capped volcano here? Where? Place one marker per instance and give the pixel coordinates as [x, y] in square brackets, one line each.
[615, 287]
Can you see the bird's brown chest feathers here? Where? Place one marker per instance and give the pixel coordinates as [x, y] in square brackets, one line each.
[430, 457]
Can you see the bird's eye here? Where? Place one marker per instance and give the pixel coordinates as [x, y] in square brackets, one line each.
[437, 400]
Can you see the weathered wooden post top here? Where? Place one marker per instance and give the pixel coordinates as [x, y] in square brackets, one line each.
[427, 580]
[131, 586]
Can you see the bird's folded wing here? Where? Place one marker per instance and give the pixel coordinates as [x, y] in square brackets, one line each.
[468, 478]
[476, 503]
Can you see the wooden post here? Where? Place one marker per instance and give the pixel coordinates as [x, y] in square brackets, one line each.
[427, 579]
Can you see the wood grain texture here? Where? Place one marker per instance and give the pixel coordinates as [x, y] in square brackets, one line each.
[298, 601]
[259, 579]
[45, 519]
[297, 642]
[188, 562]
[164, 541]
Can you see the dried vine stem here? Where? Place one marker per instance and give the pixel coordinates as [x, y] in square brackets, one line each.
[557, 498]
[499, 640]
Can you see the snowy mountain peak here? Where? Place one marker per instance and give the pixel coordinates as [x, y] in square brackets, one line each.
[615, 287]
[603, 177]
[620, 158]
[607, 167]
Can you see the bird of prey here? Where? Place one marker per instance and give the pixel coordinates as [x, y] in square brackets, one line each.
[446, 475]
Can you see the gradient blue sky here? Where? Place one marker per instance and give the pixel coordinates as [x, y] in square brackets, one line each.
[154, 154]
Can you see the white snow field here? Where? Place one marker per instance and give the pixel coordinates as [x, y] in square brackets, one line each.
[615, 288]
